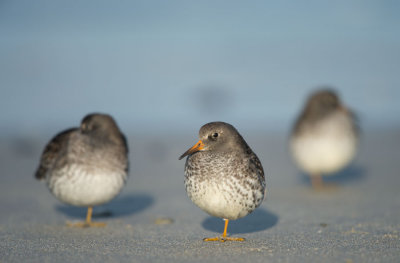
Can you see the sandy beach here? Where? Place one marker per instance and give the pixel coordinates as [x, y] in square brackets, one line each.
[153, 220]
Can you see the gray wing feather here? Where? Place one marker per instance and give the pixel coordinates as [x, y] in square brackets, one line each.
[52, 151]
[256, 166]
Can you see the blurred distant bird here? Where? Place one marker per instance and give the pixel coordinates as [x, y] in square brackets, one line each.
[86, 166]
[223, 176]
[325, 136]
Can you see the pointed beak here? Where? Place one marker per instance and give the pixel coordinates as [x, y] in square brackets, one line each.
[197, 147]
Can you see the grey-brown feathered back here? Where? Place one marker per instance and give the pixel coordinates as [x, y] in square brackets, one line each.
[52, 151]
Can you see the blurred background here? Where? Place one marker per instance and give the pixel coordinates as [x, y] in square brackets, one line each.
[171, 66]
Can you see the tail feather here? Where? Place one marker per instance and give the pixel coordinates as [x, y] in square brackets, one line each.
[40, 173]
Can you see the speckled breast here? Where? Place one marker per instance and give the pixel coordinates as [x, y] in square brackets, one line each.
[223, 185]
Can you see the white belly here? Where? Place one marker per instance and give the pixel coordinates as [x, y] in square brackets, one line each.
[325, 149]
[221, 201]
[76, 186]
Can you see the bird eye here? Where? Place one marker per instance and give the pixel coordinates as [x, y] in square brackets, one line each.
[215, 135]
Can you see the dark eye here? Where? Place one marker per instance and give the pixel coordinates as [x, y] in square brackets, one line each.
[215, 135]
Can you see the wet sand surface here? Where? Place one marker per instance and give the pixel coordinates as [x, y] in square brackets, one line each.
[153, 220]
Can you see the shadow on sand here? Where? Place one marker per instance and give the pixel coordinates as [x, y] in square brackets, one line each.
[123, 205]
[350, 174]
[259, 220]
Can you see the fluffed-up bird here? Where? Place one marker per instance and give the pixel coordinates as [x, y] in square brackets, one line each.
[86, 166]
[324, 138]
[223, 176]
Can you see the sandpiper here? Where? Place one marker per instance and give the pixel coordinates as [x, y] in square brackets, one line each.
[86, 166]
[325, 136]
[223, 176]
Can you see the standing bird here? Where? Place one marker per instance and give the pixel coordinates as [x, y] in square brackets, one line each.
[223, 176]
[86, 166]
[325, 136]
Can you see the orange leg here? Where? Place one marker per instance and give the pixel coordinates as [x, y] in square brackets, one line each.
[318, 185]
[88, 222]
[223, 238]
[316, 181]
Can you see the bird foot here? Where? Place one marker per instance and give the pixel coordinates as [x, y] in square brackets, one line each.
[326, 187]
[318, 184]
[223, 239]
[86, 224]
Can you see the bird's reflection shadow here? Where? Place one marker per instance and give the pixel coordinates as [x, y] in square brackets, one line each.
[259, 220]
[123, 205]
[352, 173]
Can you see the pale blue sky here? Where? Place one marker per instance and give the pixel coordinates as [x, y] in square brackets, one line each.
[175, 65]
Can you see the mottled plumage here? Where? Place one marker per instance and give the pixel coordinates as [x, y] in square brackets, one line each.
[86, 166]
[325, 136]
[222, 174]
